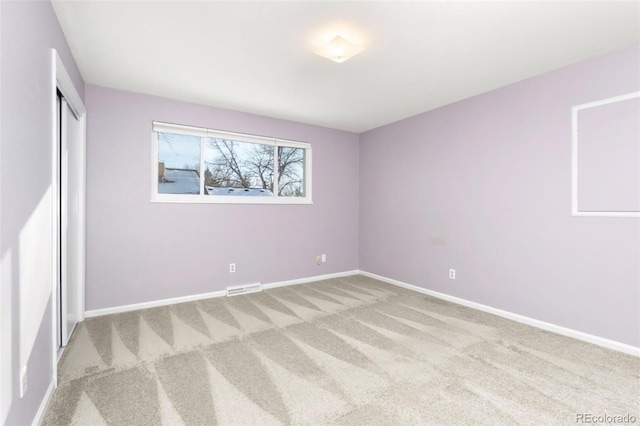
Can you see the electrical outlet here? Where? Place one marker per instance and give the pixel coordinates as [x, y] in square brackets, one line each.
[232, 267]
[452, 274]
[23, 381]
[324, 258]
[318, 259]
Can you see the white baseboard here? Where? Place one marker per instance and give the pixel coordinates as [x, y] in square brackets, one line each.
[596, 340]
[37, 420]
[579, 335]
[310, 279]
[152, 304]
[182, 299]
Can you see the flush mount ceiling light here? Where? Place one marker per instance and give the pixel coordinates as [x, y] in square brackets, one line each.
[339, 49]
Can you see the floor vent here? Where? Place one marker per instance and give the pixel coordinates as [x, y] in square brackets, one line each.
[244, 289]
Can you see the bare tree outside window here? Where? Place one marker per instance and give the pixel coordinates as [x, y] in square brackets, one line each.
[219, 168]
[234, 164]
[290, 171]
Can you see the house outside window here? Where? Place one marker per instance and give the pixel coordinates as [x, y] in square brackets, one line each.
[199, 165]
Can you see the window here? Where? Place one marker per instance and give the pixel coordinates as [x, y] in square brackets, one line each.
[192, 164]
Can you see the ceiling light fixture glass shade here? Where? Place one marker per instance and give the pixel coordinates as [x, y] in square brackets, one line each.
[339, 49]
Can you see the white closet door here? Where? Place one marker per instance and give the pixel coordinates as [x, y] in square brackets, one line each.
[69, 211]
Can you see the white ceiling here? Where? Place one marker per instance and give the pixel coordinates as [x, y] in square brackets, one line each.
[258, 56]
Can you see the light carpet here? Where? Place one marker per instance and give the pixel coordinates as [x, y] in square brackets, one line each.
[345, 351]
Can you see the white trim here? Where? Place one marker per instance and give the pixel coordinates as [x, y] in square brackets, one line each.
[575, 209]
[64, 219]
[201, 173]
[158, 126]
[65, 85]
[60, 80]
[574, 161]
[152, 304]
[155, 165]
[220, 293]
[82, 216]
[605, 214]
[579, 335]
[275, 172]
[310, 279]
[37, 420]
[607, 101]
[308, 175]
[239, 137]
[226, 199]
[54, 218]
[292, 144]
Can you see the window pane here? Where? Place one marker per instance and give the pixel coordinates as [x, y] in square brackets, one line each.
[237, 168]
[291, 172]
[178, 164]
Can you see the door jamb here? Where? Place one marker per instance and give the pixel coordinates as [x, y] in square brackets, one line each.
[62, 81]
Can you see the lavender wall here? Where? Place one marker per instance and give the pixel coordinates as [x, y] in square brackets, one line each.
[484, 186]
[139, 251]
[609, 157]
[28, 31]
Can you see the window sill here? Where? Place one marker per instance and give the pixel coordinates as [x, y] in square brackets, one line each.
[221, 199]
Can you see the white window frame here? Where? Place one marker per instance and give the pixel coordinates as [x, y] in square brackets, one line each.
[161, 127]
